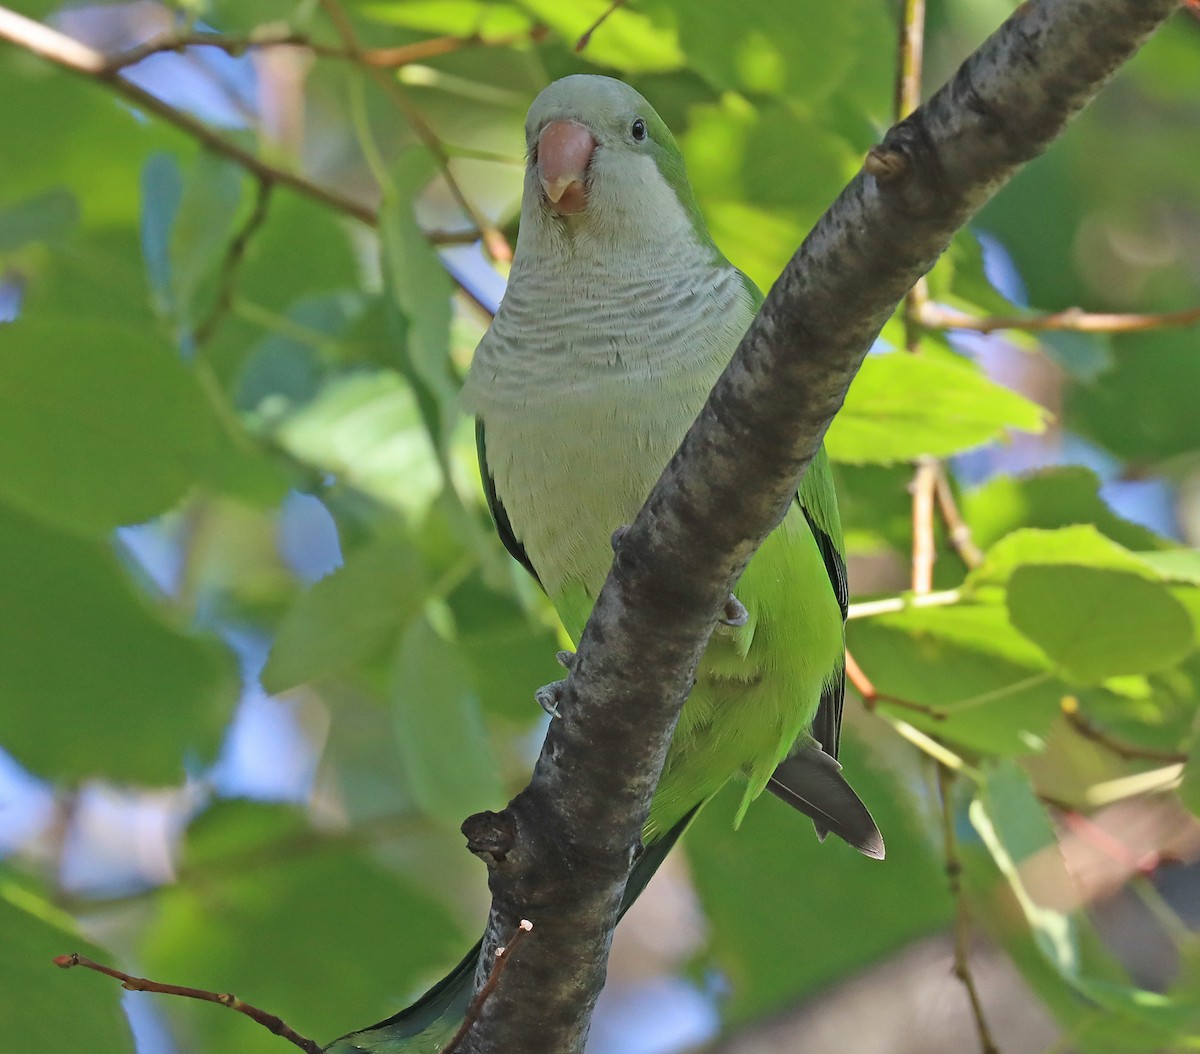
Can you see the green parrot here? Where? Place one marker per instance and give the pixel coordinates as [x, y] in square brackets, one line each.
[619, 316]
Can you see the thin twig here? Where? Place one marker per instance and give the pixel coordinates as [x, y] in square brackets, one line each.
[924, 548]
[1129, 751]
[1073, 319]
[956, 526]
[962, 914]
[233, 258]
[583, 41]
[76, 57]
[493, 241]
[141, 984]
[894, 605]
[871, 697]
[380, 58]
[481, 997]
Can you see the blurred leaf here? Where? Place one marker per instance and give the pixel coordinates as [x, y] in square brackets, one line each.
[420, 290]
[1013, 825]
[439, 728]
[32, 999]
[349, 615]
[764, 918]
[1099, 623]
[460, 18]
[1175, 565]
[101, 425]
[365, 428]
[901, 407]
[1081, 545]
[629, 40]
[802, 50]
[506, 655]
[46, 217]
[1047, 499]
[95, 683]
[162, 192]
[307, 925]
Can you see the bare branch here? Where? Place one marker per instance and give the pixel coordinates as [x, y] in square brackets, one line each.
[380, 58]
[933, 316]
[79, 58]
[502, 957]
[233, 258]
[1081, 725]
[141, 984]
[962, 912]
[586, 37]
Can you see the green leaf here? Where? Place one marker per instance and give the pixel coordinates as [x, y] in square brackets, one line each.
[1018, 834]
[762, 917]
[101, 424]
[997, 693]
[439, 728]
[1049, 498]
[311, 926]
[39, 1009]
[420, 291]
[1081, 545]
[1098, 623]
[901, 407]
[162, 192]
[628, 40]
[802, 50]
[46, 217]
[95, 684]
[1175, 565]
[460, 18]
[349, 615]
[506, 656]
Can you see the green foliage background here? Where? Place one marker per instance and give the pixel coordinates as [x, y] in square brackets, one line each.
[152, 378]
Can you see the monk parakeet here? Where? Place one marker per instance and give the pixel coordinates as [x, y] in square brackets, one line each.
[619, 316]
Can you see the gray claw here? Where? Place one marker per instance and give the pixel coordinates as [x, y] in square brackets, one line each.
[735, 613]
[565, 659]
[617, 535]
[549, 696]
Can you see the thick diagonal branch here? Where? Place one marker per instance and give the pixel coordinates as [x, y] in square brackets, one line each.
[578, 821]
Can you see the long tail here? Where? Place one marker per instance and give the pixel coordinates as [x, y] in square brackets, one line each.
[812, 782]
[437, 1014]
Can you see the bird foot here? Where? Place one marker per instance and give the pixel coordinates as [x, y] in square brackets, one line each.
[734, 613]
[550, 695]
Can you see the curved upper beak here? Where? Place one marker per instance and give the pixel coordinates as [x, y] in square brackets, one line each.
[564, 152]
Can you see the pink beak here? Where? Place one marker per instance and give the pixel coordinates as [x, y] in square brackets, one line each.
[564, 152]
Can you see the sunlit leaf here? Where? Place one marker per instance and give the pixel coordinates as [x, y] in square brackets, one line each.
[901, 407]
[1084, 618]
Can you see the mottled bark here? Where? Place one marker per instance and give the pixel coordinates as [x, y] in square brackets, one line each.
[568, 838]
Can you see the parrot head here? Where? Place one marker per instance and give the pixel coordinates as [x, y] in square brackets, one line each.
[601, 160]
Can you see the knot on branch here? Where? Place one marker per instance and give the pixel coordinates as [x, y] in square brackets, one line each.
[906, 166]
[490, 835]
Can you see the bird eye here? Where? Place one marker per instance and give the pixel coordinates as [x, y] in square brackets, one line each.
[638, 129]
